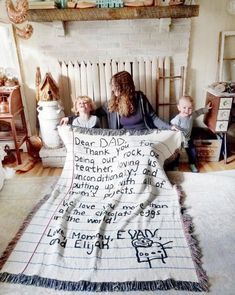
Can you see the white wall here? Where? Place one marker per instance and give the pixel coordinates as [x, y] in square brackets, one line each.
[126, 38]
[204, 46]
[92, 40]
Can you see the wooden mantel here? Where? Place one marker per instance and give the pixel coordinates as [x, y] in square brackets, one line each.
[90, 14]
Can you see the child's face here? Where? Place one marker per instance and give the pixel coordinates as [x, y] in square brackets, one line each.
[83, 106]
[185, 107]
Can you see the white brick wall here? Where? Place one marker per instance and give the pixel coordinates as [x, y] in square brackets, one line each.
[90, 40]
[99, 39]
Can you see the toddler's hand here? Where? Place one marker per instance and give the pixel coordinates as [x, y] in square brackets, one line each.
[209, 105]
[174, 128]
[64, 121]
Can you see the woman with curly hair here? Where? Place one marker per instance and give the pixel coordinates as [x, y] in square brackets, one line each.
[128, 108]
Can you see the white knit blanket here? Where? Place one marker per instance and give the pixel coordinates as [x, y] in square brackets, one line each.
[113, 222]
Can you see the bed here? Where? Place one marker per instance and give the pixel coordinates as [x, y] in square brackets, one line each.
[116, 222]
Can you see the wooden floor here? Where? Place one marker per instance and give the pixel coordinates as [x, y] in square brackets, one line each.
[38, 170]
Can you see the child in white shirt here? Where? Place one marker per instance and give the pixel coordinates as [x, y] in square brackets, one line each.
[83, 106]
[184, 122]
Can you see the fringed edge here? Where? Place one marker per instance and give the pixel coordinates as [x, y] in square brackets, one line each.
[21, 230]
[193, 242]
[113, 132]
[101, 286]
[172, 158]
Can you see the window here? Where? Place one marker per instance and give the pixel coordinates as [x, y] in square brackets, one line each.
[7, 51]
[227, 57]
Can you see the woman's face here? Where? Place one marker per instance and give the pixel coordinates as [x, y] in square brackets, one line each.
[114, 89]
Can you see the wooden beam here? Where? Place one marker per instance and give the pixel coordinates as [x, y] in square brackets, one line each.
[91, 14]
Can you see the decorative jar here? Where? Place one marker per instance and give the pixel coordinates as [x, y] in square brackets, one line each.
[49, 115]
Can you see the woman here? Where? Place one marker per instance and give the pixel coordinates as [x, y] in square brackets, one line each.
[128, 108]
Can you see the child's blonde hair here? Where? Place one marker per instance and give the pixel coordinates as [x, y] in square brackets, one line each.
[186, 97]
[83, 98]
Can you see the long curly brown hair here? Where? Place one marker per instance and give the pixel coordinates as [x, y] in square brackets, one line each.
[124, 103]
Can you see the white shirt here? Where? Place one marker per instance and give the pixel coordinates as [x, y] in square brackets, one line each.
[90, 123]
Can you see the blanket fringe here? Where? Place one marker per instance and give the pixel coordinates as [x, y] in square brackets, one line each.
[113, 132]
[193, 242]
[102, 286]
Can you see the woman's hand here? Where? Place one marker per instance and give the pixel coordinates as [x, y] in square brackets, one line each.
[174, 128]
[64, 121]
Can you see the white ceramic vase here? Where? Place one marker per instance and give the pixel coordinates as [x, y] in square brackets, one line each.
[49, 115]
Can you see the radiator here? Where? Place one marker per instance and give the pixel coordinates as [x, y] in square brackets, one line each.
[153, 76]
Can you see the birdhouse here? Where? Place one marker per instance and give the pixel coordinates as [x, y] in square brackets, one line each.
[48, 89]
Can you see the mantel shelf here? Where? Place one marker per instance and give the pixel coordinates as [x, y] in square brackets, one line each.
[91, 14]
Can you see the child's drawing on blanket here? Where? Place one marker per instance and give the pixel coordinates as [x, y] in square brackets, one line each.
[147, 249]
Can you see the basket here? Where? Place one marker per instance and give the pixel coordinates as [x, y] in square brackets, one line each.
[208, 149]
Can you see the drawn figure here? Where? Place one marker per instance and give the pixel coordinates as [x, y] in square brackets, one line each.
[147, 249]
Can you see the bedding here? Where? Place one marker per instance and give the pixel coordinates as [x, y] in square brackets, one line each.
[113, 222]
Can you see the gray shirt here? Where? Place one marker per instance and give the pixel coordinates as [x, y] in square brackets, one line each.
[185, 124]
[148, 116]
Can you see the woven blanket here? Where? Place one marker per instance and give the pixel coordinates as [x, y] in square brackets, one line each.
[113, 222]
